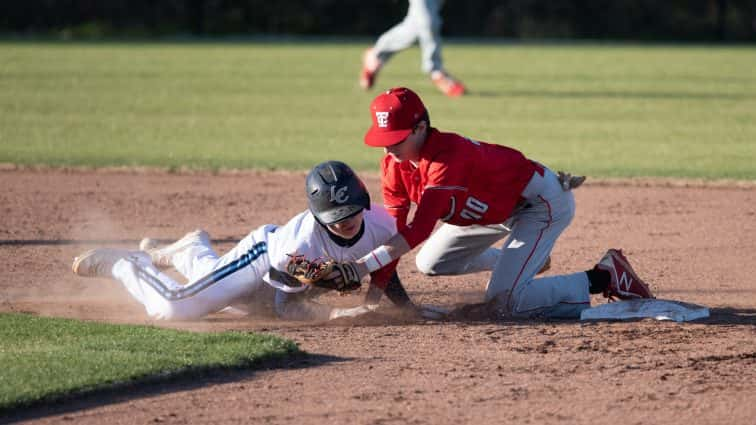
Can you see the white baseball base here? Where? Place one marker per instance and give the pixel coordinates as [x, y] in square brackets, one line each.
[677, 311]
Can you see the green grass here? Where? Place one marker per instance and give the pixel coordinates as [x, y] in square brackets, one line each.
[44, 358]
[604, 110]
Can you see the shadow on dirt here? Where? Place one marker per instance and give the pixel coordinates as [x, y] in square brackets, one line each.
[730, 316]
[159, 385]
[725, 316]
[475, 315]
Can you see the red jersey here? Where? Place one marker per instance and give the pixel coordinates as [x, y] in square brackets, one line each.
[457, 180]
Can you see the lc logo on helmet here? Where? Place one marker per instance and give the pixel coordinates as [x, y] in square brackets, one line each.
[339, 195]
[382, 119]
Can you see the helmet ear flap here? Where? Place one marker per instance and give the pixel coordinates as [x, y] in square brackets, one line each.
[334, 192]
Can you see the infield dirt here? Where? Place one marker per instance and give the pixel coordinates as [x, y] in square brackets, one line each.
[692, 242]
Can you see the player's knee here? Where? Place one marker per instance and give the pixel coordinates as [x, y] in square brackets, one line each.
[434, 266]
[426, 263]
[426, 269]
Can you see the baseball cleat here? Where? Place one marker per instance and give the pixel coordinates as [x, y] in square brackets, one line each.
[147, 244]
[624, 282]
[370, 67]
[98, 262]
[448, 84]
[163, 257]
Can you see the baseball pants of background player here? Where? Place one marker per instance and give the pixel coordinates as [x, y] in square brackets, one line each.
[531, 234]
[164, 298]
[422, 23]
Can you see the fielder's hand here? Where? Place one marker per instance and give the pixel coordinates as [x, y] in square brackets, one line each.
[343, 277]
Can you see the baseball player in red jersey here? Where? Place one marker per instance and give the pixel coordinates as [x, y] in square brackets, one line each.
[482, 192]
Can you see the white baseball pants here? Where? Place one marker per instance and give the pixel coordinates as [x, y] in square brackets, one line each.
[422, 23]
[164, 298]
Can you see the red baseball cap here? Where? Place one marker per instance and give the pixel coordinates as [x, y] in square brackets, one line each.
[395, 113]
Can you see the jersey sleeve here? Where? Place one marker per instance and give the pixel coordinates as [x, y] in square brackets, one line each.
[395, 196]
[445, 190]
[295, 237]
[383, 227]
[382, 276]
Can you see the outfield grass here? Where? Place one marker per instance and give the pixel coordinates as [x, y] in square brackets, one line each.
[44, 358]
[604, 110]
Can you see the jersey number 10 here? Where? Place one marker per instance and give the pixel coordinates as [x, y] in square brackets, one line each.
[474, 209]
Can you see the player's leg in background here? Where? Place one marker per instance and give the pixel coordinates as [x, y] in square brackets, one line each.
[399, 37]
[426, 14]
[454, 250]
[533, 236]
[423, 21]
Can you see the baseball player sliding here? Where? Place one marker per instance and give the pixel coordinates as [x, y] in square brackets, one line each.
[482, 192]
[340, 224]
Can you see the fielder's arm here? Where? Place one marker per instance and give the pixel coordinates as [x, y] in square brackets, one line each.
[433, 205]
[383, 255]
[394, 291]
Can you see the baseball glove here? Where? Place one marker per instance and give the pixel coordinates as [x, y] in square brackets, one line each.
[323, 273]
[568, 181]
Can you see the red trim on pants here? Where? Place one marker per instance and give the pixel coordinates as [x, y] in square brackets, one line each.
[535, 245]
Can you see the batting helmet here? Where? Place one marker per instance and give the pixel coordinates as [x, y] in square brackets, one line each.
[334, 192]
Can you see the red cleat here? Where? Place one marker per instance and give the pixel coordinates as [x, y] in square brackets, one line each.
[370, 67]
[625, 283]
[448, 84]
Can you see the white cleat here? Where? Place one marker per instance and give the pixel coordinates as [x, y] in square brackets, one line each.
[98, 262]
[147, 244]
[163, 257]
